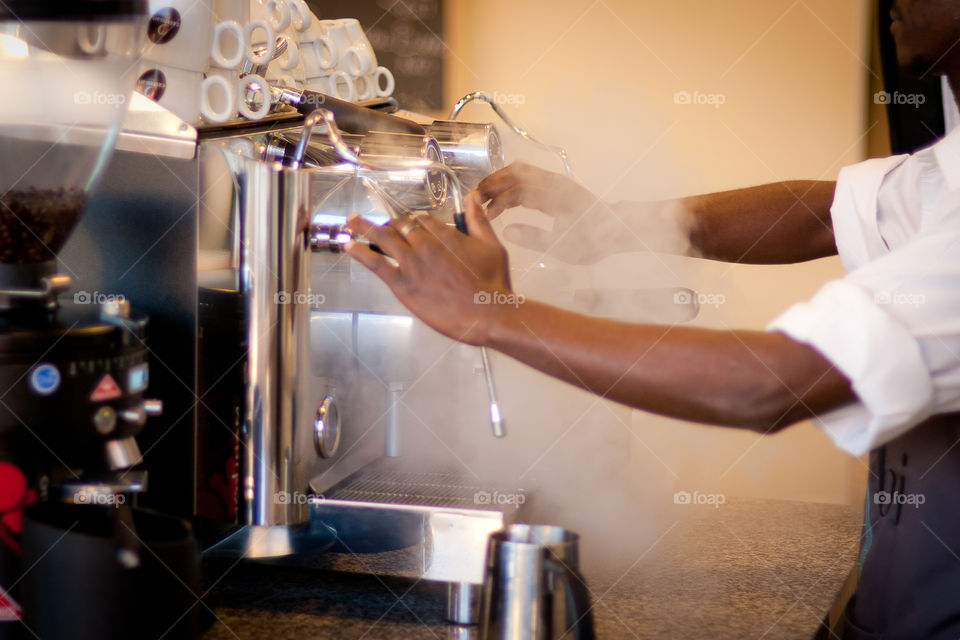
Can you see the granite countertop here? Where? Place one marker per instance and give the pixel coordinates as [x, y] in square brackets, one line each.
[750, 569]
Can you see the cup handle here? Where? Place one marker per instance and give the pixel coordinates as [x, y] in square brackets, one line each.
[354, 61]
[271, 42]
[244, 105]
[578, 601]
[210, 84]
[278, 13]
[292, 57]
[387, 91]
[216, 46]
[365, 88]
[335, 82]
[300, 15]
[326, 52]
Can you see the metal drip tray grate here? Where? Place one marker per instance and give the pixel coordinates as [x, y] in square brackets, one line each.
[382, 482]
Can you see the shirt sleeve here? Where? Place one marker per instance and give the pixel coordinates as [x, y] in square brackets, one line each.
[892, 327]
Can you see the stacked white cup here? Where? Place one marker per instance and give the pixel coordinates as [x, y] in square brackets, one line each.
[195, 52]
[289, 69]
[371, 80]
[259, 45]
[320, 56]
[339, 61]
[175, 55]
[193, 56]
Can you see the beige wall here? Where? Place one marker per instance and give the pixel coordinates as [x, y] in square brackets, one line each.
[793, 85]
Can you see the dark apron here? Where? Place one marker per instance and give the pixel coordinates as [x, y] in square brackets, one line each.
[909, 582]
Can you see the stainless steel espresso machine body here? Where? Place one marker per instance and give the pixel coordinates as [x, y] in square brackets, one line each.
[285, 369]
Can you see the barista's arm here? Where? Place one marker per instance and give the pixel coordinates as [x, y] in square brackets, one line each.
[777, 223]
[750, 379]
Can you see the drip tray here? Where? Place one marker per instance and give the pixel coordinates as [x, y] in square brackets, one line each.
[425, 524]
[385, 481]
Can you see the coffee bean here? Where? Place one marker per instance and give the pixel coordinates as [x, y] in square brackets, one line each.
[35, 223]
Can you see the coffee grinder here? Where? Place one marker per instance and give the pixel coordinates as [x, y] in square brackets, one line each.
[73, 365]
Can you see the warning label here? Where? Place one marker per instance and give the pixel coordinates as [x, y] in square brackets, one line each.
[107, 389]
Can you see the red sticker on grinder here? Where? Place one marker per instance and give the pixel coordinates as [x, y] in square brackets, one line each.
[107, 389]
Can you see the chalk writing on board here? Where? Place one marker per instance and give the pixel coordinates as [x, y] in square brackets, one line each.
[407, 38]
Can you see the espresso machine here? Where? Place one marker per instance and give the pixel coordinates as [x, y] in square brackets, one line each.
[296, 415]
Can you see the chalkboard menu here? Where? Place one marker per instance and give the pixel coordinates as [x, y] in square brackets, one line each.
[408, 39]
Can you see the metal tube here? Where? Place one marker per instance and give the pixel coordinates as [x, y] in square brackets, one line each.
[523, 133]
[463, 603]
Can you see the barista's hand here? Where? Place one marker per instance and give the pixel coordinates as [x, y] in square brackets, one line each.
[579, 217]
[446, 278]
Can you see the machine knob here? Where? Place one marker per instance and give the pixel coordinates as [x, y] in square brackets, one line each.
[105, 420]
[326, 428]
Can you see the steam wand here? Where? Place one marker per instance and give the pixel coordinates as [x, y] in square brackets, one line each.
[459, 216]
[523, 133]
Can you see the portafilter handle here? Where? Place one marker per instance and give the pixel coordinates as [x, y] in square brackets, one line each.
[520, 131]
[459, 216]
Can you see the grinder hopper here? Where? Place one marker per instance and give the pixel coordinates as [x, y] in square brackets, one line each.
[68, 68]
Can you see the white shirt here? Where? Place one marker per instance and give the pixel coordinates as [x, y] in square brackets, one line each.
[892, 324]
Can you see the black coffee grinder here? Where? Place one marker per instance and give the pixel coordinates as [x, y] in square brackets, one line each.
[77, 558]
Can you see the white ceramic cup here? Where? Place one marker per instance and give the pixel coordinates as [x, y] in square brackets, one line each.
[179, 33]
[177, 90]
[319, 57]
[291, 57]
[338, 85]
[312, 31]
[366, 86]
[342, 86]
[301, 18]
[228, 45]
[246, 108]
[360, 44]
[258, 33]
[348, 58]
[276, 13]
[285, 73]
[384, 83]
[255, 31]
[219, 95]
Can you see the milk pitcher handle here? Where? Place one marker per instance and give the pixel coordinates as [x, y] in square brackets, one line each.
[579, 622]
